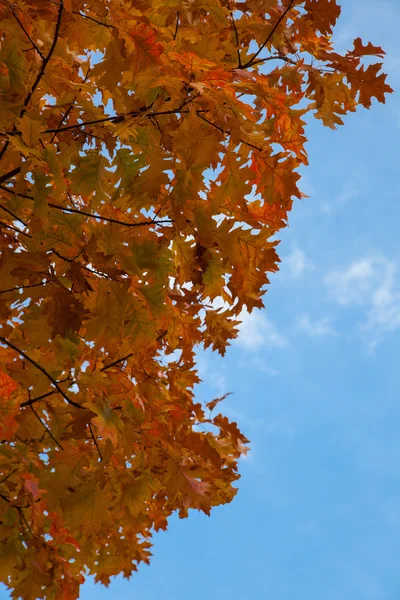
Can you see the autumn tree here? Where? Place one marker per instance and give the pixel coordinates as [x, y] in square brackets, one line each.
[149, 152]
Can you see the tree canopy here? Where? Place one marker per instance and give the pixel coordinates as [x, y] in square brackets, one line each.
[149, 153]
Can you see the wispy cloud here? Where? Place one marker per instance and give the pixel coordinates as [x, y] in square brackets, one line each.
[371, 284]
[258, 363]
[256, 331]
[318, 328]
[297, 263]
[207, 372]
[348, 193]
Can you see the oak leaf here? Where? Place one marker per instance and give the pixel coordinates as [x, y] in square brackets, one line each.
[149, 156]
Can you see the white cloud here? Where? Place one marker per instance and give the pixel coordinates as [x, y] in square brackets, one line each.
[297, 262]
[257, 363]
[353, 285]
[256, 331]
[214, 377]
[371, 284]
[348, 193]
[317, 328]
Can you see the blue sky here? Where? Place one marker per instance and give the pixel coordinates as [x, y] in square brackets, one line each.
[315, 387]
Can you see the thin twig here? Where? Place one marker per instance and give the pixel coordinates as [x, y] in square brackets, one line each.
[177, 26]
[71, 260]
[35, 47]
[95, 441]
[33, 400]
[64, 118]
[11, 173]
[47, 58]
[228, 133]
[109, 219]
[42, 370]
[46, 428]
[21, 514]
[46, 395]
[39, 75]
[92, 19]
[8, 476]
[23, 287]
[90, 215]
[119, 360]
[250, 62]
[15, 229]
[116, 362]
[116, 118]
[259, 61]
[236, 37]
[7, 210]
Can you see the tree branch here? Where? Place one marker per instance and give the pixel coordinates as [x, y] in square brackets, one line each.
[10, 174]
[95, 441]
[116, 362]
[92, 19]
[259, 61]
[34, 400]
[27, 34]
[45, 426]
[85, 214]
[15, 229]
[109, 219]
[23, 287]
[47, 58]
[228, 132]
[71, 260]
[115, 119]
[8, 476]
[42, 370]
[7, 210]
[39, 75]
[11, 191]
[250, 62]
[176, 26]
[236, 36]
[21, 514]
[70, 107]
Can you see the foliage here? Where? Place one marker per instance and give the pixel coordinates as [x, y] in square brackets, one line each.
[149, 153]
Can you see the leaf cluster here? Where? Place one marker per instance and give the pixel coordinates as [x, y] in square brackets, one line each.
[149, 153]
